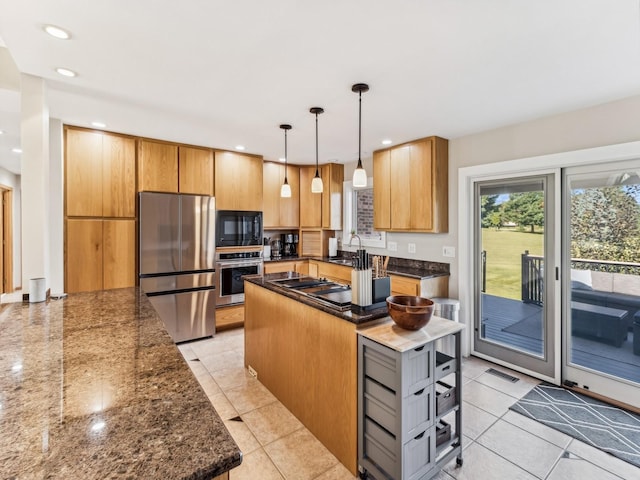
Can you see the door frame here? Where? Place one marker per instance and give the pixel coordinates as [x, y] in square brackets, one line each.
[511, 168]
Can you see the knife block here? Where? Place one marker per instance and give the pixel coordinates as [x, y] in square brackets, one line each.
[380, 289]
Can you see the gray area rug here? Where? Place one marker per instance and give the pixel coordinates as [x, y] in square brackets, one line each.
[529, 327]
[599, 424]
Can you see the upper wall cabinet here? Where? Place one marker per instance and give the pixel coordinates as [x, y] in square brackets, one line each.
[100, 174]
[238, 181]
[280, 212]
[195, 170]
[157, 166]
[410, 187]
[322, 210]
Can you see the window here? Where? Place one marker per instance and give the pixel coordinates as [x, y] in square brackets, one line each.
[358, 215]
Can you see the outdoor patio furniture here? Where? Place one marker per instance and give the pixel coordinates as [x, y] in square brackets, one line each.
[604, 324]
[620, 301]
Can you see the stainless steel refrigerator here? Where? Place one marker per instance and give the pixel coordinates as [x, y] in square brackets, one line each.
[177, 261]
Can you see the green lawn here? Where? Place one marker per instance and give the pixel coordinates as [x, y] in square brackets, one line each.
[504, 249]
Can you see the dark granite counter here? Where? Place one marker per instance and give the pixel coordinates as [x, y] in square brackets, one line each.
[356, 316]
[92, 386]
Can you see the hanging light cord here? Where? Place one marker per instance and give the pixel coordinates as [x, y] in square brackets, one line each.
[317, 144]
[285, 156]
[359, 127]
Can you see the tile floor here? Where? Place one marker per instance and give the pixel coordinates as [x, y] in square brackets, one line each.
[498, 443]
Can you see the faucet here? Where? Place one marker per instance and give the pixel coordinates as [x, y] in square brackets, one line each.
[359, 240]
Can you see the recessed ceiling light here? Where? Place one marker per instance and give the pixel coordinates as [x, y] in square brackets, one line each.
[16, 150]
[1, 132]
[281, 159]
[386, 142]
[66, 72]
[239, 147]
[57, 32]
[99, 124]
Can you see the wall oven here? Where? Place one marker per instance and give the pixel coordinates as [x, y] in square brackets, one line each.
[231, 266]
[238, 228]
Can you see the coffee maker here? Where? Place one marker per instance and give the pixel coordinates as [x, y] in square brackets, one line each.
[290, 244]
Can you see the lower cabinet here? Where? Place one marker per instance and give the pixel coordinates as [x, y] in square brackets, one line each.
[402, 406]
[229, 317]
[100, 254]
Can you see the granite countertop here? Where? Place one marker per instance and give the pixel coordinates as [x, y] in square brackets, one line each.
[92, 386]
[389, 334]
[419, 269]
[357, 316]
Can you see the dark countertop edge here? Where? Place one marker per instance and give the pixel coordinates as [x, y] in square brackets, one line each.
[349, 316]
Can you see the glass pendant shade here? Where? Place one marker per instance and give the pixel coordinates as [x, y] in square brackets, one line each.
[360, 174]
[316, 183]
[285, 190]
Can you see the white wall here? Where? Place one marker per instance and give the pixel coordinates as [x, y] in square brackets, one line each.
[607, 124]
[56, 206]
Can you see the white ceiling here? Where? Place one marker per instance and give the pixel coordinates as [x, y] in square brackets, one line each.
[221, 73]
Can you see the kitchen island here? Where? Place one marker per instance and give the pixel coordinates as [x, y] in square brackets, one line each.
[92, 386]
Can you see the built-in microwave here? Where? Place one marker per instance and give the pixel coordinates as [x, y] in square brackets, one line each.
[238, 228]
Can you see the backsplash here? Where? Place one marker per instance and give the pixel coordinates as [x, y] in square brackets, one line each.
[409, 264]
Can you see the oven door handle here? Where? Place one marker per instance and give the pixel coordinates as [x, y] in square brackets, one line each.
[237, 264]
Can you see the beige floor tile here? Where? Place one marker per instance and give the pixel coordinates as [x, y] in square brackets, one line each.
[229, 378]
[300, 456]
[487, 398]
[579, 469]
[249, 397]
[242, 436]
[197, 368]
[209, 385]
[474, 420]
[271, 422]
[473, 366]
[522, 448]
[223, 406]
[223, 360]
[480, 463]
[256, 465]
[515, 389]
[538, 429]
[337, 472]
[604, 460]
[443, 475]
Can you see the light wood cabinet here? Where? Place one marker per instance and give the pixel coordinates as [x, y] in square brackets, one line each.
[331, 271]
[229, 317]
[310, 203]
[425, 287]
[100, 174]
[322, 210]
[195, 170]
[410, 186]
[157, 166]
[238, 181]
[100, 254]
[299, 266]
[280, 212]
[332, 179]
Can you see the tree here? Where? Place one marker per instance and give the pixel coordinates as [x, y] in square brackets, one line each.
[605, 223]
[487, 208]
[525, 209]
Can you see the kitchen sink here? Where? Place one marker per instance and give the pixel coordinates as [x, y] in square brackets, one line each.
[342, 261]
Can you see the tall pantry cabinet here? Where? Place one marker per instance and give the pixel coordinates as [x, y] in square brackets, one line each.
[99, 210]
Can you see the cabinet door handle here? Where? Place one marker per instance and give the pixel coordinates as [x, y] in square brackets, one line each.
[447, 395]
[419, 392]
[446, 368]
[419, 436]
[419, 349]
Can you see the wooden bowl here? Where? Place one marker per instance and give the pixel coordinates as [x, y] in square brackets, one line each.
[410, 312]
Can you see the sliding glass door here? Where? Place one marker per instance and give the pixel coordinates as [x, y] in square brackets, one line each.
[601, 250]
[515, 272]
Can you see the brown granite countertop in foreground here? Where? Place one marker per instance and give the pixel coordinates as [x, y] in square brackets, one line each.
[93, 387]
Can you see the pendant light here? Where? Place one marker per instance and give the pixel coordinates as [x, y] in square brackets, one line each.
[316, 183]
[285, 190]
[359, 174]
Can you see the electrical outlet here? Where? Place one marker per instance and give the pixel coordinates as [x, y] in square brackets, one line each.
[448, 251]
[411, 247]
[252, 372]
[392, 246]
